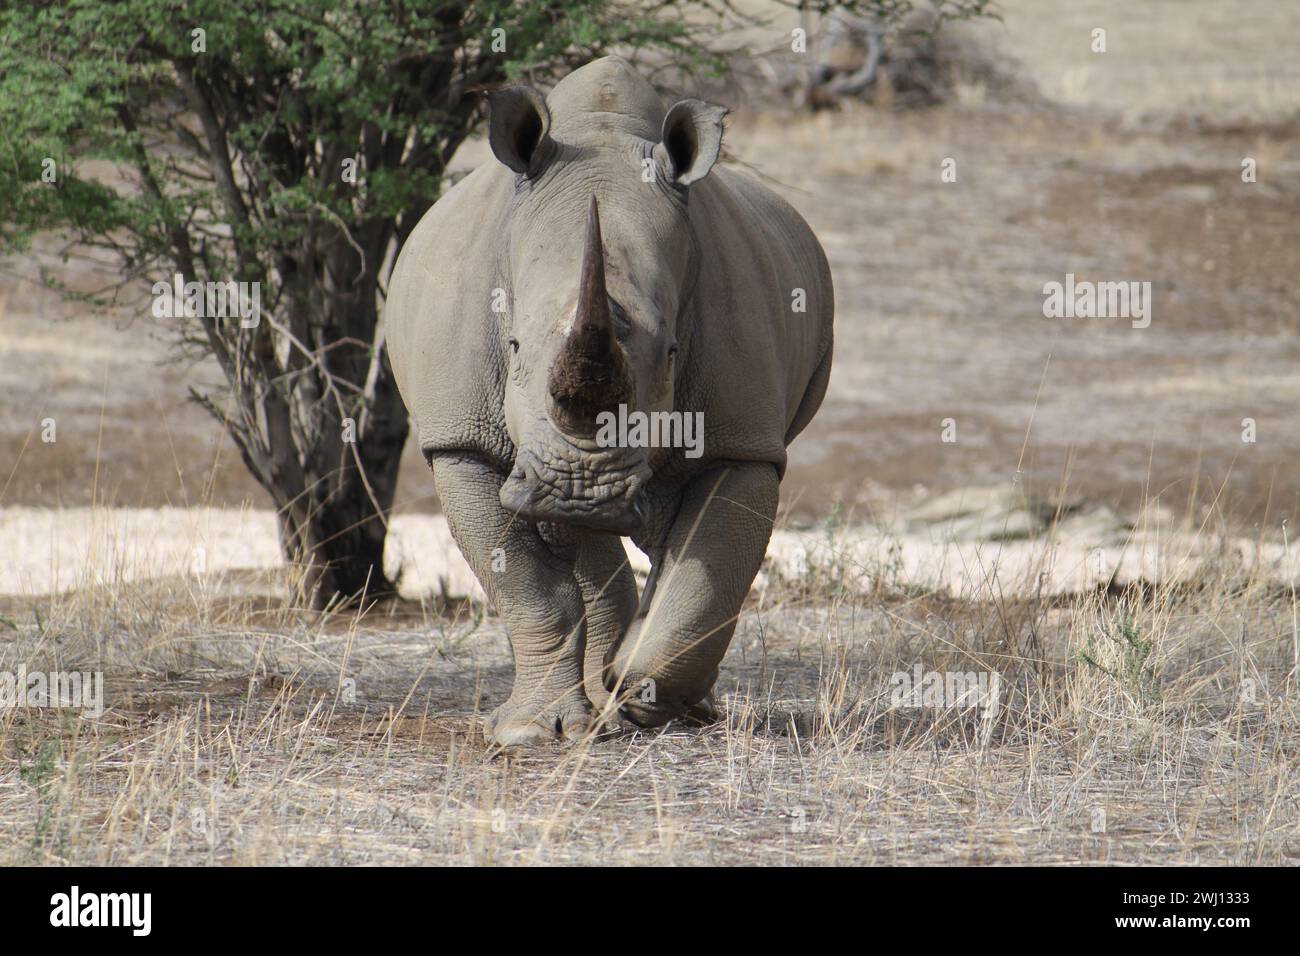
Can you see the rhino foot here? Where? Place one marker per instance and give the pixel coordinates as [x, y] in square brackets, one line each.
[539, 719]
[702, 713]
[649, 694]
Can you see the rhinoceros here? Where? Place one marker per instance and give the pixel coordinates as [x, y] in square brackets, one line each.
[604, 270]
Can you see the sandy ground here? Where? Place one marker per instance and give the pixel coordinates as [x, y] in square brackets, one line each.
[960, 544]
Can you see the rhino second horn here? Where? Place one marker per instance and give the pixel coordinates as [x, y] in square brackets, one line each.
[591, 374]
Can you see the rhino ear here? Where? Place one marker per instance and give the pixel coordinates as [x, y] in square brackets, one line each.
[518, 126]
[691, 140]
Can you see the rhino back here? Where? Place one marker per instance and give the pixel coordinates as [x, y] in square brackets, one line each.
[443, 336]
[756, 365]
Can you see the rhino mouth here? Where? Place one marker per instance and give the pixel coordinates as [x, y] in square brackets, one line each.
[600, 490]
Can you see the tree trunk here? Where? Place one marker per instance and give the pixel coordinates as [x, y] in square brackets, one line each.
[348, 427]
[334, 527]
[337, 530]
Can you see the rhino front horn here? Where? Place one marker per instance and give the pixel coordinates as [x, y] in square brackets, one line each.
[593, 301]
[590, 375]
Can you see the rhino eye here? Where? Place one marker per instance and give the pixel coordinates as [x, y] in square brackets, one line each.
[622, 321]
[514, 346]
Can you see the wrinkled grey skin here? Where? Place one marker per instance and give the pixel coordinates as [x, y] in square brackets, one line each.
[676, 293]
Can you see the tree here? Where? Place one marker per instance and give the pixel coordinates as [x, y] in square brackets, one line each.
[900, 35]
[273, 155]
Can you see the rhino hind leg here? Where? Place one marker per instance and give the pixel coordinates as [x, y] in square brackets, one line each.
[667, 662]
[531, 581]
[608, 588]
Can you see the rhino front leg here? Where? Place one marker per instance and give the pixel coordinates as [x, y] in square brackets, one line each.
[531, 581]
[668, 661]
[608, 589]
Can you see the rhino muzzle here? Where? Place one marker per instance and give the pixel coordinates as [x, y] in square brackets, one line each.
[598, 490]
[591, 374]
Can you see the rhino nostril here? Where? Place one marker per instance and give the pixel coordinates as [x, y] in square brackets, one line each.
[578, 413]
